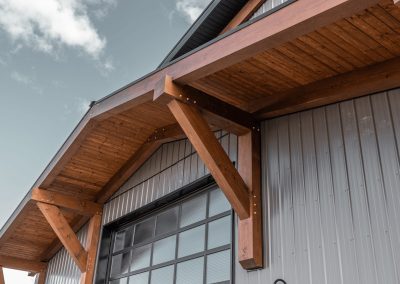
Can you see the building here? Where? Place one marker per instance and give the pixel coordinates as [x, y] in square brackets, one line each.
[264, 149]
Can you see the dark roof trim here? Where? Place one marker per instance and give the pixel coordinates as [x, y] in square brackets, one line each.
[207, 27]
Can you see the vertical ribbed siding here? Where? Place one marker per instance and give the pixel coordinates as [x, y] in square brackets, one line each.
[268, 6]
[331, 184]
[62, 269]
[171, 167]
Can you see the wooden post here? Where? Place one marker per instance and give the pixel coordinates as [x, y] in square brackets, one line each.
[250, 230]
[65, 233]
[91, 248]
[2, 281]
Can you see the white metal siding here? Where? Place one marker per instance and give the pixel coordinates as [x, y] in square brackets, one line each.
[268, 6]
[172, 166]
[331, 187]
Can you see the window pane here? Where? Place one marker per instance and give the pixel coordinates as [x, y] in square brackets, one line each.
[163, 275]
[191, 241]
[219, 267]
[190, 271]
[167, 221]
[144, 231]
[123, 239]
[120, 264]
[164, 250]
[193, 210]
[219, 232]
[218, 202]
[141, 257]
[119, 281]
[142, 278]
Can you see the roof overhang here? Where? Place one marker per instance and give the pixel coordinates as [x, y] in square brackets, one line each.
[254, 68]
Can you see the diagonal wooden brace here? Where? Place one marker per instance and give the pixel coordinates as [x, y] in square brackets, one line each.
[213, 156]
[65, 233]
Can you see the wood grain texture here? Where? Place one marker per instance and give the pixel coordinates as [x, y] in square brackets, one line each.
[79, 206]
[22, 264]
[91, 247]
[2, 281]
[213, 156]
[215, 111]
[250, 230]
[65, 233]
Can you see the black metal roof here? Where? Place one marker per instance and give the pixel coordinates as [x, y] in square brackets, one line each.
[208, 26]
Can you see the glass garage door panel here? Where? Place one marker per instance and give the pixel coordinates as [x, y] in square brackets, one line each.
[186, 243]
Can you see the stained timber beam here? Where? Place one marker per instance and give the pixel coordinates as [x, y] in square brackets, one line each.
[2, 281]
[65, 233]
[244, 14]
[91, 247]
[167, 134]
[81, 207]
[250, 230]
[374, 78]
[22, 264]
[217, 112]
[42, 277]
[213, 156]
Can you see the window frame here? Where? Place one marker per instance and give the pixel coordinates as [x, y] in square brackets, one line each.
[196, 189]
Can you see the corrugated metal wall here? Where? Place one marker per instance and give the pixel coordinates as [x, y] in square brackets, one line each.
[331, 183]
[172, 166]
[62, 269]
[332, 188]
[268, 6]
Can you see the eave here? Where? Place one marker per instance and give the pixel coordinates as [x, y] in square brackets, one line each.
[114, 134]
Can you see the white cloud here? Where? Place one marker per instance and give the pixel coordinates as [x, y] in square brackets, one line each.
[47, 25]
[191, 9]
[21, 78]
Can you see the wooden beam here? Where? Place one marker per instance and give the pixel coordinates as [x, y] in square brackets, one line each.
[244, 14]
[250, 234]
[369, 80]
[213, 156]
[82, 207]
[166, 134]
[2, 281]
[131, 166]
[91, 247]
[216, 111]
[283, 26]
[22, 264]
[65, 233]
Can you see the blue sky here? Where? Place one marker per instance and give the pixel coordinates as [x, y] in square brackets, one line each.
[58, 55]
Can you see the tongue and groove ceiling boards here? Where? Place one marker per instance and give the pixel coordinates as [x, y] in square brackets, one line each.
[308, 53]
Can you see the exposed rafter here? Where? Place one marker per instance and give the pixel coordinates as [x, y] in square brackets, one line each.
[213, 156]
[22, 264]
[82, 207]
[65, 233]
[217, 112]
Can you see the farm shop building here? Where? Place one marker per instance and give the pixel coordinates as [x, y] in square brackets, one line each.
[264, 149]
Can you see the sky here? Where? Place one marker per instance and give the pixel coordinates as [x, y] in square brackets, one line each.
[56, 56]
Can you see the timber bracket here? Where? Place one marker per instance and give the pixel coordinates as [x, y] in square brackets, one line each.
[242, 186]
[50, 204]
